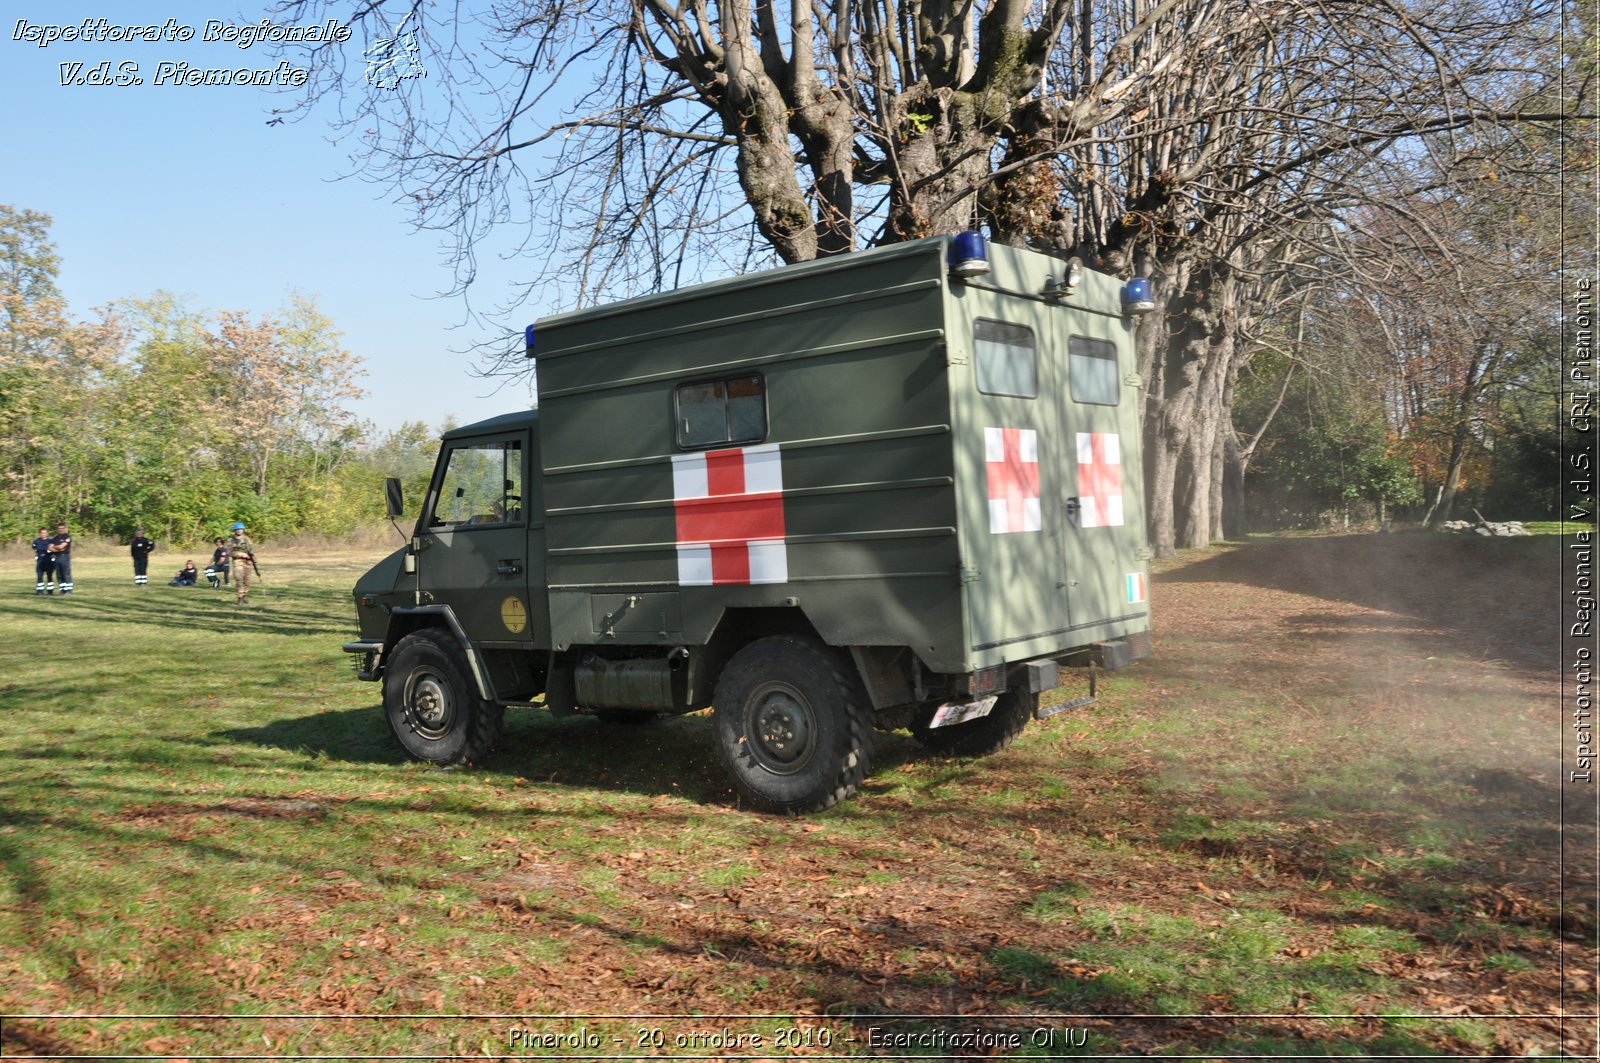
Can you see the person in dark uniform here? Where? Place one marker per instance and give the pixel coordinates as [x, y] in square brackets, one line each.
[44, 563]
[140, 549]
[61, 553]
[187, 576]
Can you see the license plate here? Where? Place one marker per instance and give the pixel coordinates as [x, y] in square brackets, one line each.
[954, 712]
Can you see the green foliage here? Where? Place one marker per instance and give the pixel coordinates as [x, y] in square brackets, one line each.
[28, 261]
[1527, 455]
[165, 417]
[156, 465]
[1328, 447]
[407, 452]
[1429, 342]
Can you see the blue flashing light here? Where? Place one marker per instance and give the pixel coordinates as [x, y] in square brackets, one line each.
[969, 255]
[527, 337]
[1136, 297]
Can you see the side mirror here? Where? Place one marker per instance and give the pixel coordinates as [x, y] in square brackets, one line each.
[394, 497]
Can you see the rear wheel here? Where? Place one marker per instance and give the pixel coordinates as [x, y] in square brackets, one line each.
[980, 737]
[792, 725]
[432, 705]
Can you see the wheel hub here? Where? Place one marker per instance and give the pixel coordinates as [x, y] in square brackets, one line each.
[430, 706]
[783, 729]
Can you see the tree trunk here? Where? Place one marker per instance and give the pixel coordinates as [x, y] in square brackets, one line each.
[1235, 519]
[1186, 415]
[1459, 443]
[1152, 343]
[756, 114]
[1161, 464]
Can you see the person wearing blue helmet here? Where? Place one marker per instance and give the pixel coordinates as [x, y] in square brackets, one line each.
[241, 558]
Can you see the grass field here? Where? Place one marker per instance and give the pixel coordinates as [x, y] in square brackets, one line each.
[1327, 818]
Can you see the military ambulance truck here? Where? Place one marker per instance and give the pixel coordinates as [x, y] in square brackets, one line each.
[894, 489]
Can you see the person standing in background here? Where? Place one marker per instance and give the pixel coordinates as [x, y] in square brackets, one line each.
[140, 549]
[44, 563]
[61, 553]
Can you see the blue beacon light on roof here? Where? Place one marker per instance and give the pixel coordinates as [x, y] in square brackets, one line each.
[969, 256]
[1136, 297]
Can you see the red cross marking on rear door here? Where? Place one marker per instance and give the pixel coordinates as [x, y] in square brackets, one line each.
[1100, 479]
[1012, 460]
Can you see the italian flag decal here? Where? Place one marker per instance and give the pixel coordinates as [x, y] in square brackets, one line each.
[1136, 588]
[729, 510]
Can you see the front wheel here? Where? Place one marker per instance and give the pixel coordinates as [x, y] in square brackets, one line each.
[792, 725]
[432, 705]
[980, 737]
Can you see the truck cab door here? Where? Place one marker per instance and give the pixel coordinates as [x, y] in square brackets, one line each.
[473, 544]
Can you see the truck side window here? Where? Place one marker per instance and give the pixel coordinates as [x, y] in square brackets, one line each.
[482, 484]
[1092, 371]
[721, 411]
[1007, 359]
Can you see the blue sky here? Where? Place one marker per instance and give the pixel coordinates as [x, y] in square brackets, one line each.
[186, 188]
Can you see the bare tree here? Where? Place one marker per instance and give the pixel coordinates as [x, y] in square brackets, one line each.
[815, 129]
[1456, 317]
[1248, 164]
[1192, 139]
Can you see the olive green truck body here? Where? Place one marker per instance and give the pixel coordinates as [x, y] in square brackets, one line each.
[920, 481]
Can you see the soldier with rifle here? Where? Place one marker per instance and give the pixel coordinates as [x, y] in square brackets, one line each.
[242, 559]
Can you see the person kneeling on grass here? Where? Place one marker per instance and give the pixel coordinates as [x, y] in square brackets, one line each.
[187, 576]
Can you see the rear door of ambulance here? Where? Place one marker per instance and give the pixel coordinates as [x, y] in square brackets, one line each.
[1101, 504]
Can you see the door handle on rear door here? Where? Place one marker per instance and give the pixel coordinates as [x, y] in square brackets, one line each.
[1072, 507]
[510, 567]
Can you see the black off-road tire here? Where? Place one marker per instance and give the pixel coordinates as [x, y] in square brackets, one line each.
[980, 737]
[432, 704]
[792, 725]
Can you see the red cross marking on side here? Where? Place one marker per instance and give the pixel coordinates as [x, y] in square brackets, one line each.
[727, 518]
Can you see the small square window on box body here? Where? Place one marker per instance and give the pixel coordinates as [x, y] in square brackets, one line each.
[717, 412]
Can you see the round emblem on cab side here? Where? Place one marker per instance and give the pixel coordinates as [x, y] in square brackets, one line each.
[514, 615]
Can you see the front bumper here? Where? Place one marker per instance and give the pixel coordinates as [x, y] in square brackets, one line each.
[369, 663]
